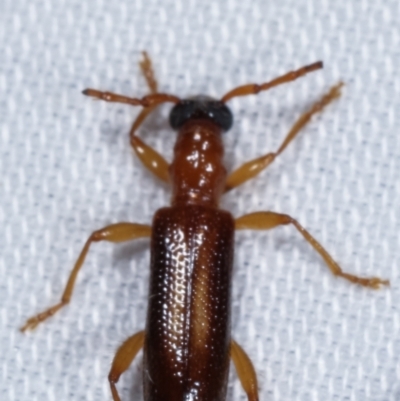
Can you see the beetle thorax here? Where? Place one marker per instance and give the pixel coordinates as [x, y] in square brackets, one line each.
[197, 173]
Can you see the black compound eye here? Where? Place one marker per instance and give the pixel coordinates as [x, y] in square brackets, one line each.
[201, 107]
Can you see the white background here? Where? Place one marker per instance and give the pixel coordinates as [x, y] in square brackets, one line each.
[67, 169]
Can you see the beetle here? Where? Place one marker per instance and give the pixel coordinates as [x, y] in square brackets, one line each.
[187, 344]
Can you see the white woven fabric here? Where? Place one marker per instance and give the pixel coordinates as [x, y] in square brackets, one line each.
[67, 169]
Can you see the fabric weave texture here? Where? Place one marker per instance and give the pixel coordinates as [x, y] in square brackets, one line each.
[67, 169]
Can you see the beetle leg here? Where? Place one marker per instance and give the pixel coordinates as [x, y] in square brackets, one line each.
[254, 167]
[268, 220]
[123, 359]
[148, 72]
[148, 101]
[150, 158]
[245, 371]
[119, 232]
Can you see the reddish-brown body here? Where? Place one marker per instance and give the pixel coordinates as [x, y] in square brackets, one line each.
[187, 336]
[187, 341]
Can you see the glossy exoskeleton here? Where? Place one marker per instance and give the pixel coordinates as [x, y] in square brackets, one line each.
[187, 340]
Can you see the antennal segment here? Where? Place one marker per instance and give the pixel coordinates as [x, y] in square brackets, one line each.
[146, 101]
[252, 89]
